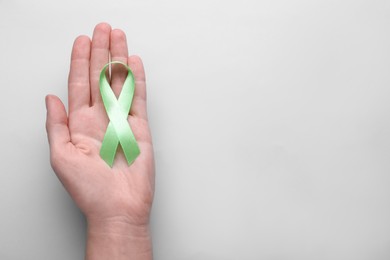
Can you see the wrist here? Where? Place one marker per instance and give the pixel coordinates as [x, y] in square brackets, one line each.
[118, 239]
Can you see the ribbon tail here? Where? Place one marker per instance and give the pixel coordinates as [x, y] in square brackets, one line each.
[130, 149]
[109, 145]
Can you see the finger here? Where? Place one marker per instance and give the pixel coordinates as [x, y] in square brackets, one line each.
[78, 81]
[99, 57]
[56, 123]
[138, 107]
[118, 49]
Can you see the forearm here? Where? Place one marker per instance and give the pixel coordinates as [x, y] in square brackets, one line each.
[118, 241]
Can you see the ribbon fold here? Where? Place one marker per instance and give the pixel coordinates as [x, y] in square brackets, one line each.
[118, 130]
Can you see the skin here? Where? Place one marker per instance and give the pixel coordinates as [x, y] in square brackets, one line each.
[116, 201]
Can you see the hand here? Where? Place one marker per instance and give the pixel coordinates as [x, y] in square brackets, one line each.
[116, 201]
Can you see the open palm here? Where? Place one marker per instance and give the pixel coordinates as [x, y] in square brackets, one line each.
[122, 193]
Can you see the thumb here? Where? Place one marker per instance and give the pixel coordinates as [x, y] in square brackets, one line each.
[56, 122]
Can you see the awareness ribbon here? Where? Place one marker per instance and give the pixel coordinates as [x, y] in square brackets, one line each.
[118, 130]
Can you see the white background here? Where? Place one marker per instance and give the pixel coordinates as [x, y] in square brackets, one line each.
[270, 120]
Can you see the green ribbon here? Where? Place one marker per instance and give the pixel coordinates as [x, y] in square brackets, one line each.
[118, 130]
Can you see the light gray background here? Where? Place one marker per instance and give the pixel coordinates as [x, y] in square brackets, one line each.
[271, 126]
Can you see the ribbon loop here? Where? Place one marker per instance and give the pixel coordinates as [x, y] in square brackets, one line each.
[118, 130]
